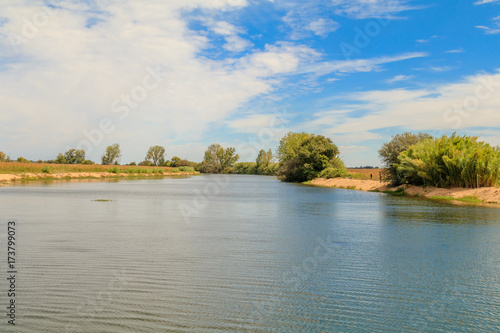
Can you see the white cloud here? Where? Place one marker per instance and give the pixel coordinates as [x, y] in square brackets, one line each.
[473, 103]
[482, 2]
[491, 31]
[399, 78]
[363, 9]
[358, 65]
[65, 79]
[460, 50]
[323, 27]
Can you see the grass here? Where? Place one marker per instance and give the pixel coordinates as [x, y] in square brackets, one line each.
[102, 200]
[398, 193]
[23, 168]
[468, 199]
[364, 174]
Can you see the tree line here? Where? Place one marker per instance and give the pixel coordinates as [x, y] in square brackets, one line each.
[409, 158]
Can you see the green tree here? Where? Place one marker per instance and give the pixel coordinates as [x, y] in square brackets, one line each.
[23, 160]
[156, 154]
[303, 156]
[264, 162]
[112, 155]
[218, 160]
[2, 156]
[75, 156]
[175, 161]
[390, 151]
[60, 159]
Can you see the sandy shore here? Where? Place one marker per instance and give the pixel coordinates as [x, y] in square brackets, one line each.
[9, 178]
[486, 194]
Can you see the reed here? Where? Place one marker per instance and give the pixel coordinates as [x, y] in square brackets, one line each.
[451, 161]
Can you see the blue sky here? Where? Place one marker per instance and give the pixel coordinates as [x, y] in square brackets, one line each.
[185, 74]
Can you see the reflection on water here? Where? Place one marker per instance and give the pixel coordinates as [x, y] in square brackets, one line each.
[256, 255]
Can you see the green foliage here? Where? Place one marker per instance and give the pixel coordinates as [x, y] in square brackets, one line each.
[264, 163]
[455, 161]
[146, 163]
[245, 168]
[175, 160]
[2, 156]
[156, 154]
[186, 169]
[74, 156]
[467, 199]
[22, 160]
[332, 173]
[60, 159]
[114, 170]
[399, 192]
[46, 169]
[390, 151]
[303, 156]
[219, 160]
[111, 155]
[132, 163]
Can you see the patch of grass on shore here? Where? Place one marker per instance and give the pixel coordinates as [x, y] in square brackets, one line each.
[398, 193]
[468, 199]
[102, 200]
[23, 168]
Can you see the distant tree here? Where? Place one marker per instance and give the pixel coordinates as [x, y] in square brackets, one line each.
[61, 159]
[146, 163]
[88, 162]
[2, 156]
[175, 160]
[74, 156]
[264, 162]
[112, 155]
[156, 154]
[132, 163]
[22, 160]
[218, 160]
[390, 151]
[303, 156]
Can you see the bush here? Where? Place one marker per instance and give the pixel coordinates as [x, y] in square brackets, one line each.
[46, 169]
[186, 169]
[303, 156]
[332, 173]
[455, 161]
[389, 153]
[114, 170]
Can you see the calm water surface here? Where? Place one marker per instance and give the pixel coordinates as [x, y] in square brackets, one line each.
[255, 255]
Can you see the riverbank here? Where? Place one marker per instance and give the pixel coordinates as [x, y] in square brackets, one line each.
[13, 178]
[476, 195]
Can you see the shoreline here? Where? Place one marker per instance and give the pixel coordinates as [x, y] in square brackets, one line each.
[483, 195]
[11, 178]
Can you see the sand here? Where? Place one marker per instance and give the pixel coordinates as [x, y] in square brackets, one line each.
[486, 194]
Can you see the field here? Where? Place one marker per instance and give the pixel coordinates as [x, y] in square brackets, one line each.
[365, 173]
[19, 168]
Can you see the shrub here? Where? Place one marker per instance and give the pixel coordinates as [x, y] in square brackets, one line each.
[114, 170]
[46, 169]
[390, 151]
[186, 169]
[455, 161]
[332, 173]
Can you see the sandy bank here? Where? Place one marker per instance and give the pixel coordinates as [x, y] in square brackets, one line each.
[9, 178]
[486, 194]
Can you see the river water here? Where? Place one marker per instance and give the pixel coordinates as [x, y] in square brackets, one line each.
[245, 254]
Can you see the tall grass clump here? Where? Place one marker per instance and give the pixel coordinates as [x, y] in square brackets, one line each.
[454, 161]
[186, 169]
